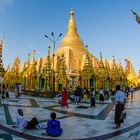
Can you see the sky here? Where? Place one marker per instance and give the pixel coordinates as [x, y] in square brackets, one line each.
[106, 26]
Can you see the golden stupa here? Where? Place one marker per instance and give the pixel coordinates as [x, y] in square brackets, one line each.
[73, 48]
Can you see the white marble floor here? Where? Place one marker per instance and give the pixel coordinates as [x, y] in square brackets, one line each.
[77, 123]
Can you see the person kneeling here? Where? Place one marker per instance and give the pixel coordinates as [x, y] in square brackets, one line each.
[53, 127]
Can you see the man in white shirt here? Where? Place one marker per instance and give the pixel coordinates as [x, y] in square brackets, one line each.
[120, 100]
[21, 122]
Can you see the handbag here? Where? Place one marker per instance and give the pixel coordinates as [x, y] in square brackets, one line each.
[123, 115]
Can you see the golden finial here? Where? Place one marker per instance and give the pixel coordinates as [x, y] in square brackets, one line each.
[72, 12]
[100, 56]
[28, 58]
[72, 24]
[120, 61]
[113, 58]
[34, 51]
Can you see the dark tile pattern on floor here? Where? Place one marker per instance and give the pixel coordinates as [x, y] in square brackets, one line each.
[6, 136]
[8, 116]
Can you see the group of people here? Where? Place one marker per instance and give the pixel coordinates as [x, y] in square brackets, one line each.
[120, 98]
[52, 127]
[4, 91]
[81, 95]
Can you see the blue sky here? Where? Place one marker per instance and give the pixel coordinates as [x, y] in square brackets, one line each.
[105, 25]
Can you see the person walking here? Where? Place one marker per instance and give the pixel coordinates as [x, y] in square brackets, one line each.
[131, 91]
[119, 99]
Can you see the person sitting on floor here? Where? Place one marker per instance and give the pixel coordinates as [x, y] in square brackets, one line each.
[53, 127]
[21, 122]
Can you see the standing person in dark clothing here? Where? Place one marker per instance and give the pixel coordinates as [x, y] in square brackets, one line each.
[79, 93]
[120, 99]
[7, 91]
[92, 98]
[3, 91]
[101, 93]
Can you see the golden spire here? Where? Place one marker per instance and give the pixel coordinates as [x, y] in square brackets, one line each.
[100, 56]
[87, 58]
[120, 67]
[101, 61]
[28, 58]
[72, 25]
[131, 68]
[33, 59]
[72, 38]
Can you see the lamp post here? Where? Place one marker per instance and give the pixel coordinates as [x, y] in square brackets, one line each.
[53, 40]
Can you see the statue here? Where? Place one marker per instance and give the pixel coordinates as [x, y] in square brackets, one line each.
[137, 16]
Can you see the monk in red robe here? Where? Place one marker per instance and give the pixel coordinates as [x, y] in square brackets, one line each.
[64, 101]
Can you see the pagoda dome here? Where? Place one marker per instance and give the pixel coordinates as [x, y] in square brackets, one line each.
[72, 39]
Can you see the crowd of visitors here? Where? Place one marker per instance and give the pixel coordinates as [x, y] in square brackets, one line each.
[53, 127]
[93, 95]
